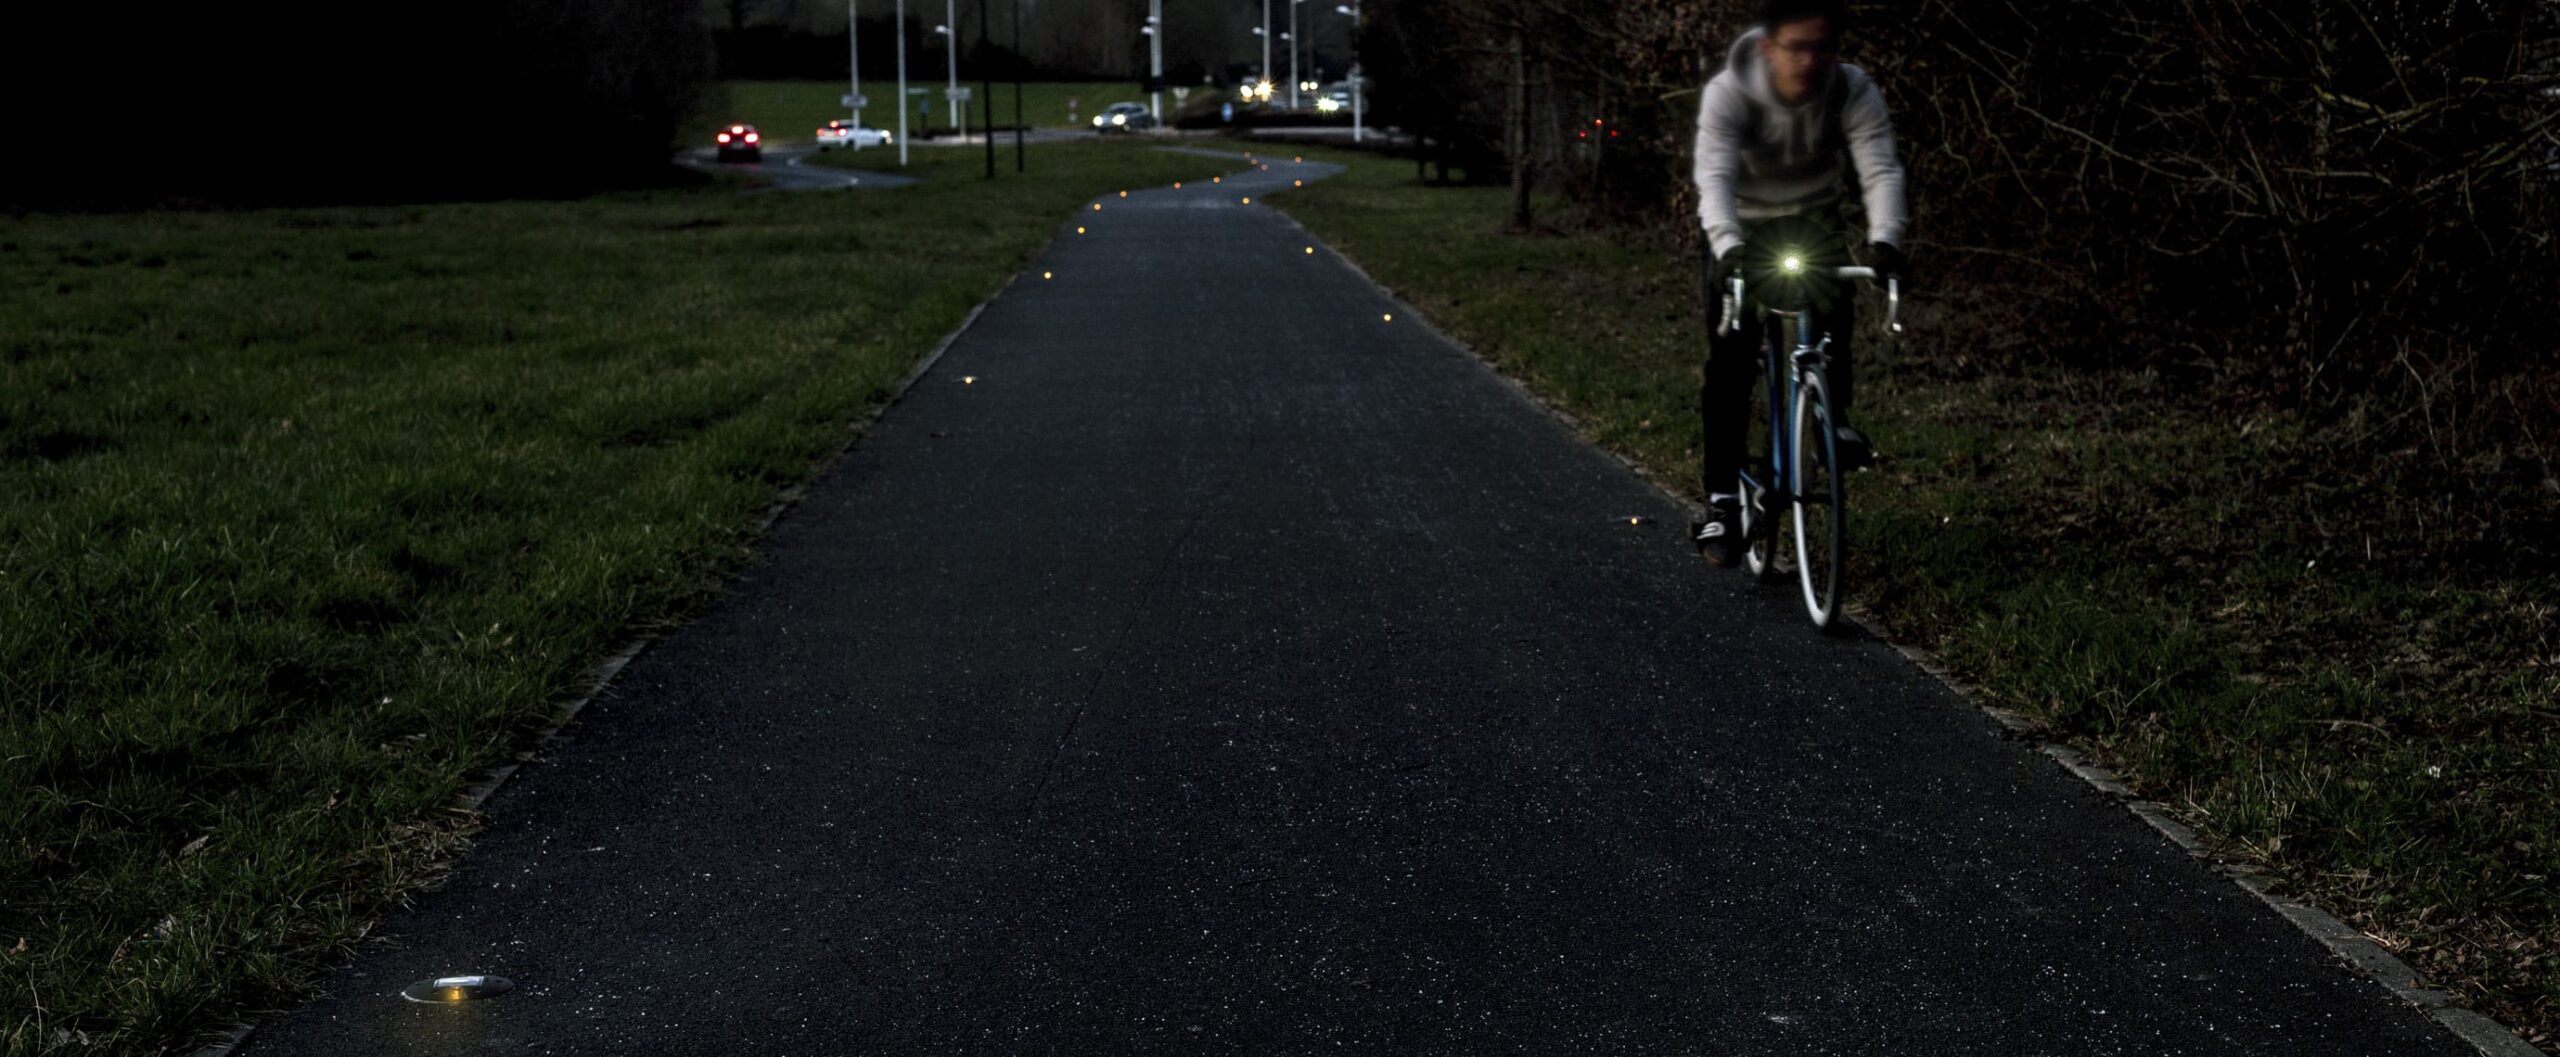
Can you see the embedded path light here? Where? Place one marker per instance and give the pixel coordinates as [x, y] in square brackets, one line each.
[444, 989]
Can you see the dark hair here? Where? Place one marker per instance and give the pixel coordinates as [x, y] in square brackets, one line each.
[1775, 12]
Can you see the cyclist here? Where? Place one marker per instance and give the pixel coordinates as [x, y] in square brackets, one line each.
[1774, 128]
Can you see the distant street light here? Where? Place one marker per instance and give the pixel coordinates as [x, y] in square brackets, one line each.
[951, 59]
[1292, 38]
[902, 83]
[1155, 61]
[1353, 9]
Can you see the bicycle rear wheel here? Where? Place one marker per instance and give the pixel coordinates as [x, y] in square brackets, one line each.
[1821, 501]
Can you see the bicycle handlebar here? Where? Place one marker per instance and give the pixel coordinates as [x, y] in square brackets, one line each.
[1892, 299]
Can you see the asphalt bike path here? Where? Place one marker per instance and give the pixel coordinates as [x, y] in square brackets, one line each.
[1198, 661]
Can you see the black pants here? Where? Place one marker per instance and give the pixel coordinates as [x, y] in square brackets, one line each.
[1724, 393]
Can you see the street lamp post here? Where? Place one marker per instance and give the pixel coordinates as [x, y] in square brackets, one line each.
[901, 102]
[951, 62]
[1264, 73]
[1353, 9]
[853, 47]
[986, 86]
[1017, 85]
[1293, 53]
[1261, 76]
[1155, 61]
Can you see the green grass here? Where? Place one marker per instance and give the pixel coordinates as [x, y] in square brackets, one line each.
[789, 111]
[2349, 688]
[316, 514]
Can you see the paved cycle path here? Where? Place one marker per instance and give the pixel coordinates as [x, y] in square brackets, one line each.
[1196, 662]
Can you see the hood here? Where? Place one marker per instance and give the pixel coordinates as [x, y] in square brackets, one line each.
[1744, 60]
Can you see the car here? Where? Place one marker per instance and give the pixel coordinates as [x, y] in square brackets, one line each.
[741, 143]
[1124, 117]
[848, 134]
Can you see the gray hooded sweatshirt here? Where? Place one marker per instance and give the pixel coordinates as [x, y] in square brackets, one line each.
[1782, 159]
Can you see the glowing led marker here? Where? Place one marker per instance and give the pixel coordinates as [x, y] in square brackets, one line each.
[1297, 183]
[1390, 317]
[457, 988]
[1248, 199]
[1301, 159]
[1046, 275]
[1177, 185]
[968, 379]
[1097, 207]
[1217, 179]
[1124, 194]
[1311, 251]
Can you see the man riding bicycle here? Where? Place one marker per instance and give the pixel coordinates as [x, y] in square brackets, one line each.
[1774, 128]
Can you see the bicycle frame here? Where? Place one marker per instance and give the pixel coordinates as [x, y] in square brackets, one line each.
[1805, 356]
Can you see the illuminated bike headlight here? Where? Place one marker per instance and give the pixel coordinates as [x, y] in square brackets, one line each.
[1792, 265]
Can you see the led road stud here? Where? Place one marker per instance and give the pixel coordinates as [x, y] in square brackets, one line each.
[457, 988]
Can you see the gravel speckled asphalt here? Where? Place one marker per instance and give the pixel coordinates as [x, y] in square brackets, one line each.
[1229, 670]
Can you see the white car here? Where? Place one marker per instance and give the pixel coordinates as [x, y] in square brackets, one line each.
[848, 134]
[1124, 117]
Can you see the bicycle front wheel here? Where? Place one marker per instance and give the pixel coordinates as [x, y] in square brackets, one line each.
[1822, 504]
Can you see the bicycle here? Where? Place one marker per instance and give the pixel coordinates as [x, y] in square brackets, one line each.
[1815, 495]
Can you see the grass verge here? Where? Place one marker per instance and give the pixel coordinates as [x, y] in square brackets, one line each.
[2256, 618]
[316, 514]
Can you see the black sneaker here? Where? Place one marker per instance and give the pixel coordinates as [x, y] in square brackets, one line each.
[1719, 538]
[1856, 452]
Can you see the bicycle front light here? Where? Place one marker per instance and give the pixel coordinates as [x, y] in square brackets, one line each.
[1792, 265]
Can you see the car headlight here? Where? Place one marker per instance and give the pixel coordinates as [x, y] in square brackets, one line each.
[1119, 119]
[1097, 121]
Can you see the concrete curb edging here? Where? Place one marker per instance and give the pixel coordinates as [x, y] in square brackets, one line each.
[601, 676]
[2361, 953]
[2368, 958]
